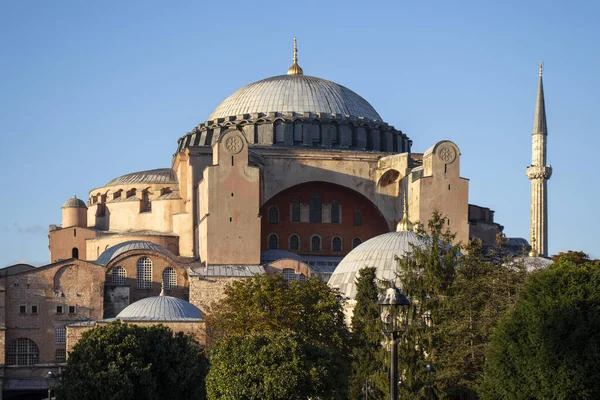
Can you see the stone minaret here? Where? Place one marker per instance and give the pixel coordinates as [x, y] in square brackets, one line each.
[539, 173]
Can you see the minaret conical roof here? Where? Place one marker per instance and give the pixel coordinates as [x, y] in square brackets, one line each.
[539, 120]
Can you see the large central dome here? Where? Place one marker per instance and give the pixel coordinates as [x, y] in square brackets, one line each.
[295, 93]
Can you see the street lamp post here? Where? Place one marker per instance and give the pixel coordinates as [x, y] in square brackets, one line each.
[49, 379]
[390, 304]
[430, 371]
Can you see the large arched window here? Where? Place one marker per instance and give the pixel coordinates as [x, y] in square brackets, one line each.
[335, 212]
[118, 275]
[144, 273]
[357, 218]
[294, 242]
[169, 278]
[336, 244]
[356, 242]
[315, 243]
[75, 252]
[296, 210]
[316, 205]
[22, 351]
[273, 241]
[273, 215]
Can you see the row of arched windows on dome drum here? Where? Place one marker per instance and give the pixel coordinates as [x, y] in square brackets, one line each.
[144, 275]
[315, 243]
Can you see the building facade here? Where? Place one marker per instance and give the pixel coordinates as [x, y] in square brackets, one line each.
[287, 175]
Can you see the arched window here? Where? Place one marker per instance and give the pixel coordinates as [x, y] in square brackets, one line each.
[357, 218]
[144, 273]
[22, 351]
[335, 212]
[75, 252]
[296, 210]
[315, 243]
[336, 244]
[146, 203]
[118, 276]
[294, 242]
[273, 241]
[279, 131]
[298, 131]
[273, 215]
[316, 205]
[169, 278]
[356, 242]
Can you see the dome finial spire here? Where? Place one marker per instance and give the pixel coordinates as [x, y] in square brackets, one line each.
[541, 67]
[533, 252]
[295, 68]
[405, 225]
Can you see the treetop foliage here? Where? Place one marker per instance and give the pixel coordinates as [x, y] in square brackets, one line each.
[548, 346]
[122, 361]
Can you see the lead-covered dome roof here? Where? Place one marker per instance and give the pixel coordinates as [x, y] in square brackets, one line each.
[113, 252]
[161, 176]
[74, 202]
[379, 252]
[295, 93]
[160, 308]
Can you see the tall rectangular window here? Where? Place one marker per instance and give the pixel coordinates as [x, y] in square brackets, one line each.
[316, 207]
[296, 211]
[335, 212]
[60, 336]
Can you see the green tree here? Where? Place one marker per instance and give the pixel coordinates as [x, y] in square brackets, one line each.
[267, 304]
[577, 257]
[369, 361]
[121, 362]
[426, 273]
[272, 365]
[484, 288]
[548, 346]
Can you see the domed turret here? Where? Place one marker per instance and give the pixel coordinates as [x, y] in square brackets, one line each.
[74, 213]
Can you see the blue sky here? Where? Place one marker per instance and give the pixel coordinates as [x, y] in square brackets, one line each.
[93, 90]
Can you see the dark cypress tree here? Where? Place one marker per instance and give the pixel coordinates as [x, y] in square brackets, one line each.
[369, 360]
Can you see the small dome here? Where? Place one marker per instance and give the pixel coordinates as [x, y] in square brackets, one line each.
[161, 175]
[74, 202]
[534, 263]
[379, 252]
[160, 308]
[112, 252]
[297, 93]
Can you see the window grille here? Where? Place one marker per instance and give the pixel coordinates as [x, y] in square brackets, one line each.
[144, 273]
[34, 309]
[335, 212]
[60, 355]
[146, 203]
[296, 211]
[336, 244]
[169, 277]
[289, 274]
[119, 275]
[273, 215]
[315, 243]
[316, 205]
[357, 218]
[295, 242]
[356, 242]
[22, 351]
[273, 242]
[60, 336]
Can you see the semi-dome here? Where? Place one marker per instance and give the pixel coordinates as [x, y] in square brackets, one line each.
[74, 202]
[295, 93]
[379, 252]
[160, 308]
[113, 252]
[161, 176]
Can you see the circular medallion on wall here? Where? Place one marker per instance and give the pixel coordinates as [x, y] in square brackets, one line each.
[234, 144]
[447, 154]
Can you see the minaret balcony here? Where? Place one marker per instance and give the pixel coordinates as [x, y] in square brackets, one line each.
[537, 172]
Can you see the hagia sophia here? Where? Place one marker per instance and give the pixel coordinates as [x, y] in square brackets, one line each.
[293, 175]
